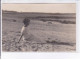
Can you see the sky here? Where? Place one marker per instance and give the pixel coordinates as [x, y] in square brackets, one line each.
[46, 8]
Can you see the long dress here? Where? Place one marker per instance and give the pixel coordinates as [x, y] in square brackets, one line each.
[25, 32]
[28, 36]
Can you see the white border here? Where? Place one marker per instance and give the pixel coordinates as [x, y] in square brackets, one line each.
[78, 26]
[38, 1]
[0, 28]
[33, 55]
[40, 55]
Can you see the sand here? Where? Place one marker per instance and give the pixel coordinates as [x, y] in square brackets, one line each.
[49, 36]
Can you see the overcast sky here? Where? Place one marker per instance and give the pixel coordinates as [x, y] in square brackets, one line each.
[47, 8]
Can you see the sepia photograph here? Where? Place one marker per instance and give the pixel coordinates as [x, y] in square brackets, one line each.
[39, 27]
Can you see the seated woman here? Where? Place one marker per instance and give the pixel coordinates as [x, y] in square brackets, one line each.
[26, 34]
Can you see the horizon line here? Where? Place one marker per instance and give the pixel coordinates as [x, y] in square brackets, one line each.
[33, 12]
